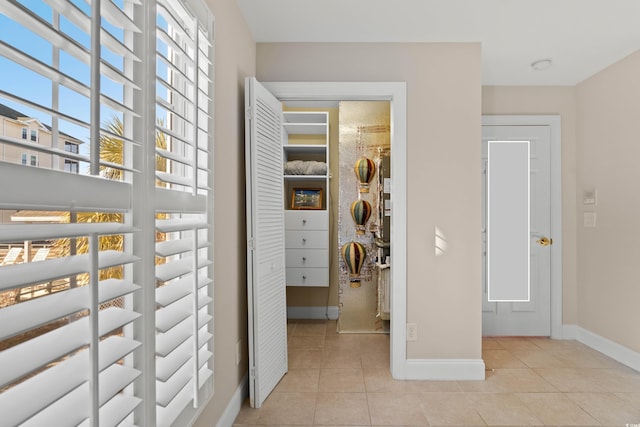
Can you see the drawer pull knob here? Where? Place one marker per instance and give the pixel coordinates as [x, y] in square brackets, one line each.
[304, 259]
[304, 240]
[304, 221]
[304, 277]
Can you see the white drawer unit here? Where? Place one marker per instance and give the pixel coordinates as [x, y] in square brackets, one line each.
[307, 258]
[306, 143]
[314, 239]
[306, 220]
[307, 277]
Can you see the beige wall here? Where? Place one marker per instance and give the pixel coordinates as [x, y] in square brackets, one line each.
[545, 100]
[234, 59]
[443, 84]
[608, 156]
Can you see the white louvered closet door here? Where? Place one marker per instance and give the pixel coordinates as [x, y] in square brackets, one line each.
[265, 230]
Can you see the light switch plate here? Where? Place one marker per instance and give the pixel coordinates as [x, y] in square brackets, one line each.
[590, 197]
[589, 219]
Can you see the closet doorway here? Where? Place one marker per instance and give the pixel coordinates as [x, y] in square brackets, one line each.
[395, 93]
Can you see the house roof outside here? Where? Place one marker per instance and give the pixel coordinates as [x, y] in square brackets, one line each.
[12, 114]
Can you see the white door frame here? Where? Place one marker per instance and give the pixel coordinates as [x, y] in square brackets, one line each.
[556, 204]
[396, 93]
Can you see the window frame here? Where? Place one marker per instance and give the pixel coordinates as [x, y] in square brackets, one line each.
[138, 188]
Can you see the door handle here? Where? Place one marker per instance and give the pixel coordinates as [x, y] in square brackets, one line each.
[545, 241]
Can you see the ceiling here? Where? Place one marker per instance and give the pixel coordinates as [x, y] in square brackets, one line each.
[581, 37]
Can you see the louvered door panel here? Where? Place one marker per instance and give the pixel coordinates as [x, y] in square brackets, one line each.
[265, 222]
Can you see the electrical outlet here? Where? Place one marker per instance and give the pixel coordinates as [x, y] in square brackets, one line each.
[238, 352]
[412, 332]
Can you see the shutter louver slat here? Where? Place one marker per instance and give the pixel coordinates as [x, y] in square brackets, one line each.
[115, 411]
[117, 17]
[204, 355]
[172, 156]
[57, 189]
[179, 288]
[42, 109]
[35, 394]
[204, 335]
[175, 48]
[115, 378]
[167, 318]
[168, 390]
[173, 269]
[175, 135]
[73, 408]
[171, 108]
[179, 75]
[168, 200]
[170, 340]
[203, 301]
[166, 414]
[173, 291]
[179, 224]
[174, 179]
[30, 355]
[70, 410]
[55, 75]
[173, 247]
[167, 366]
[43, 69]
[28, 19]
[14, 276]
[18, 232]
[203, 319]
[82, 21]
[177, 268]
[19, 318]
[177, 98]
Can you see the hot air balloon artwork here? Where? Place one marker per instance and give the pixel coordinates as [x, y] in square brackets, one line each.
[353, 254]
[364, 169]
[360, 212]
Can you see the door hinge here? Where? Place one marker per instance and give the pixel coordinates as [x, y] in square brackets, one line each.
[252, 373]
[248, 112]
[252, 244]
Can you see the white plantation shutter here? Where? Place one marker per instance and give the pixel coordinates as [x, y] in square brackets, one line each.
[184, 59]
[73, 344]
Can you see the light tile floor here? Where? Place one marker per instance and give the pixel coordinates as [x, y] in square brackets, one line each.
[343, 379]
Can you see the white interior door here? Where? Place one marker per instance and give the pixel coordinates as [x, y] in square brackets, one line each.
[531, 318]
[265, 248]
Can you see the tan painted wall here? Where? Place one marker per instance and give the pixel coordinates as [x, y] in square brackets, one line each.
[443, 84]
[234, 60]
[544, 100]
[608, 157]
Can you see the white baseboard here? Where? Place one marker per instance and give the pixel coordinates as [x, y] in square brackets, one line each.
[569, 332]
[445, 369]
[330, 312]
[616, 351]
[233, 408]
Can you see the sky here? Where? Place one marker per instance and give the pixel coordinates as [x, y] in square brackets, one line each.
[27, 84]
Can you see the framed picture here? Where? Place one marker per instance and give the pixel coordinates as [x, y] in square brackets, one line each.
[306, 198]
